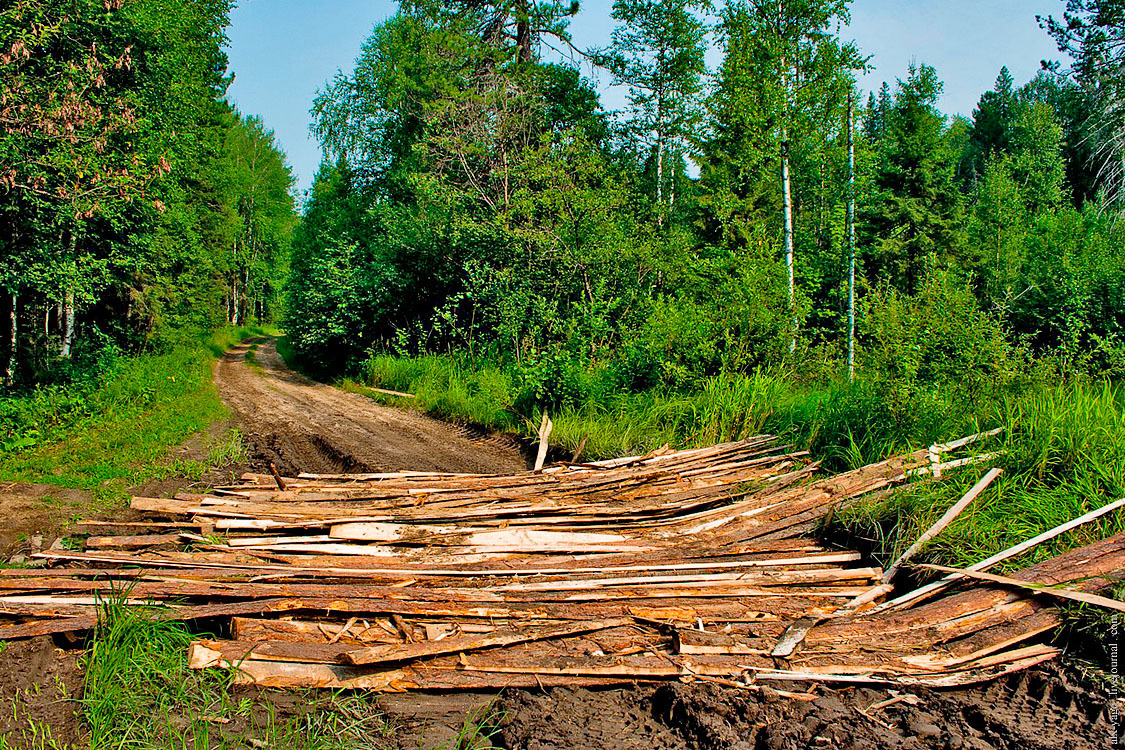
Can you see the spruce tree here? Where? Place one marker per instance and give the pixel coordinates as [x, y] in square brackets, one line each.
[913, 218]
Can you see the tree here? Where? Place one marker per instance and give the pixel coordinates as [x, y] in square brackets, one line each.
[878, 112]
[913, 217]
[1092, 32]
[657, 51]
[1074, 108]
[782, 90]
[992, 124]
[259, 186]
[503, 22]
[103, 106]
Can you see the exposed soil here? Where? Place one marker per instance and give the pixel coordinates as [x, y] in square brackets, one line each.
[35, 515]
[38, 683]
[300, 425]
[1038, 710]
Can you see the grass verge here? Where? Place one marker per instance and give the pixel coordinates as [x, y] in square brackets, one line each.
[114, 433]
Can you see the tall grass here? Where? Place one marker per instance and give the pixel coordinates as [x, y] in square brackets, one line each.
[137, 678]
[139, 693]
[1063, 454]
[1063, 451]
[844, 424]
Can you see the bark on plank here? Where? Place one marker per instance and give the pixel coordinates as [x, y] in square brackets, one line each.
[454, 645]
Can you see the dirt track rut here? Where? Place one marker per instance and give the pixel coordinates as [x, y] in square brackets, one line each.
[301, 425]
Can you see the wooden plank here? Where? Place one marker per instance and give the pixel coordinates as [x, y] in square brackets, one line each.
[697, 643]
[1033, 588]
[131, 542]
[929, 590]
[545, 429]
[199, 563]
[454, 645]
[764, 577]
[947, 518]
[371, 630]
[304, 676]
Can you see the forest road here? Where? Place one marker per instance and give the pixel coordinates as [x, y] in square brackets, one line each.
[304, 426]
[300, 425]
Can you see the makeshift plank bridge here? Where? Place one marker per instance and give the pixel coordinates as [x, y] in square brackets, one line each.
[696, 564]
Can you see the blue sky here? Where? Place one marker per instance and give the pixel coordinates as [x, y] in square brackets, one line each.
[282, 51]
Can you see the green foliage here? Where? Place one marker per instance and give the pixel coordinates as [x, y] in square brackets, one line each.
[938, 338]
[1062, 457]
[136, 203]
[1072, 301]
[113, 432]
[658, 52]
[911, 219]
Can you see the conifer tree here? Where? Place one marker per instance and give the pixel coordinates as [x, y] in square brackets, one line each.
[913, 218]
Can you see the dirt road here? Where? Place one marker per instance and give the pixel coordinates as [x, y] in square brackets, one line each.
[301, 425]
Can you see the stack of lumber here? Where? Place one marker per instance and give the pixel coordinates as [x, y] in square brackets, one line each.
[676, 565]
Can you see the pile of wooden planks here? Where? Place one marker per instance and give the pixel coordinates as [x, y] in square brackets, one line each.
[693, 564]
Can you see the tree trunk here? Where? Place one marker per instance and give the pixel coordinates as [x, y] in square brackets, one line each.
[677, 160]
[787, 202]
[523, 30]
[68, 302]
[245, 306]
[851, 237]
[68, 328]
[13, 340]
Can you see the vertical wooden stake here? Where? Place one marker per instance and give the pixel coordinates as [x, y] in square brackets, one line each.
[545, 428]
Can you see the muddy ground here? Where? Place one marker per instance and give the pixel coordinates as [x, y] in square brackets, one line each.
[299, 425]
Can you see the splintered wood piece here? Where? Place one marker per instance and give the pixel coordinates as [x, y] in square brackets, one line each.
[696, 643]
[455, 645]
[131, 542]
[931, 589]
[545, 429]
[370, 630]
[1033, 588]
[795, 635]
[947, 518]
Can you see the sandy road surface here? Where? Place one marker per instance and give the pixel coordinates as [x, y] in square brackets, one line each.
[302, 425]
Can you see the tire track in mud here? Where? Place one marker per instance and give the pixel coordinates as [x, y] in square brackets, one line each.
[1049, 708]
[304, 426]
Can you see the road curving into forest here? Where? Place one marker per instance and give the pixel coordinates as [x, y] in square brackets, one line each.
[304, 426]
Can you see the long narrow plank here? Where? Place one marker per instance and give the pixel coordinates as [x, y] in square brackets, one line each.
[913, 597]
[940, 525]
[1033, 588]
[397, 572]
[456, 645]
